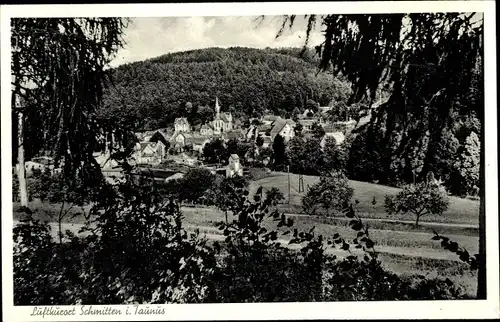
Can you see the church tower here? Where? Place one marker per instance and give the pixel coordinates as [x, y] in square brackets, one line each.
[217, 108]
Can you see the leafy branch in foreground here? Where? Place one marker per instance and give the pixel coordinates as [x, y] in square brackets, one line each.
[473, 260]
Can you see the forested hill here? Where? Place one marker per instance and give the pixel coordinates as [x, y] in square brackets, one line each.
[152, 93]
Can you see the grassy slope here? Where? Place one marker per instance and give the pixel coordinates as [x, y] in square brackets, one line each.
[460, 210]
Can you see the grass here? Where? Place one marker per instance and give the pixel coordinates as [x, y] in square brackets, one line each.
[464, 211]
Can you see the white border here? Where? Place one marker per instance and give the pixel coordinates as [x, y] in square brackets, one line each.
[489, 308]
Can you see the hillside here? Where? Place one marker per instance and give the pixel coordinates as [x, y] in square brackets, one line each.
[152, 93]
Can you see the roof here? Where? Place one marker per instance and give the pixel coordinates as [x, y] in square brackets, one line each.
[307, 122]
[207, 126]
[279, 124]
[338, 136]
[270, 117]
[198, 139]
[267, 139]
[43, 160]
[234, 156]
[178, 175]
[181, 120]
[234, 135]
[325, 109]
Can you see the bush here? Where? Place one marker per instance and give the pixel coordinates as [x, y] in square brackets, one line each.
[331, 193]
[351, 279]
[135, 226]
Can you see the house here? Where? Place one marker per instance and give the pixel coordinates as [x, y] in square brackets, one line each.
[39, 163]
[269, 119]
[283, 127]
[307, 124]
[267, 141]
[184, 159]
[207, 130]
[307, 114]
[222, 122]
[234, 167]
[234, 134]
[149, 152]
[198, 142]
[176, 176]
[337, 136]
[181, 124]
[104, 160]
[160, 135]
[179, 140]
[324, 109]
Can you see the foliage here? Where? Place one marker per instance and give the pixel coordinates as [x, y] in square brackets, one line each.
[215, 151]
[195, 185]
[317, 131]
[305, 156]
[275, 194]
[235, 146]
[330, 193]
[56, 63]
[420, 199]
[102, 267]
[245, 79]
[334, 156]
[364, 161]
[279, 156]
[467, 167]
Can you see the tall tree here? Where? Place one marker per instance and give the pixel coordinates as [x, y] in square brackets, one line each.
[279, 156]
[64, 62]
[431, 64]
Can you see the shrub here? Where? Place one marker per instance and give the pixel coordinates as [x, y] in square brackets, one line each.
[420, 200]
[351, 279]
[135, 226]
[331, 193]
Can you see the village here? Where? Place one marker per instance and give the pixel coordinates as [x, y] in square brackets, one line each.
[171, 152]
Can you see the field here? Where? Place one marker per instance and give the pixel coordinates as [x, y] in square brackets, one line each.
[403, 248]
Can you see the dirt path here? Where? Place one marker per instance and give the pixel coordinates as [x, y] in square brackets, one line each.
[211, 233]
[422, 223]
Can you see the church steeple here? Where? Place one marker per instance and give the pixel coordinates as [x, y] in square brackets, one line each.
[217, 107]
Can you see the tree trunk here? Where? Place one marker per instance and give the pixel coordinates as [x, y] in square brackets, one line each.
[481, 274]
[416, 222]
[21, 174]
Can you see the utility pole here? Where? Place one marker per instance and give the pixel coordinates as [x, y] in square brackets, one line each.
[288, 169]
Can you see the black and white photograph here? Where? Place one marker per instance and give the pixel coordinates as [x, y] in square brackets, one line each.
[254, 157]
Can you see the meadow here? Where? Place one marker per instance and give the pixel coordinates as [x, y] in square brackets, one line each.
[403, 247]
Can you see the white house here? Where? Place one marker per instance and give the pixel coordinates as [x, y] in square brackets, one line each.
[181, 124]
[234, 167]
[283, 127]
[207, 130]
[39, 163]
[150, 152]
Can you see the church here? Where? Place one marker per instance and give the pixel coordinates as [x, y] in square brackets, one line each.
[223, 122]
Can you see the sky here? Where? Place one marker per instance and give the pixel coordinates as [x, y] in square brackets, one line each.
[151, 37]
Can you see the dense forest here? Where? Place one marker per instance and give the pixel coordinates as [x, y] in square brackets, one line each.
[152, 93]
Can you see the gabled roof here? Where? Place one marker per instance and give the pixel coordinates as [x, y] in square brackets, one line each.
[226, 117]
[207, 126]
[279, 124]
[181, 120]
[234, 156]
